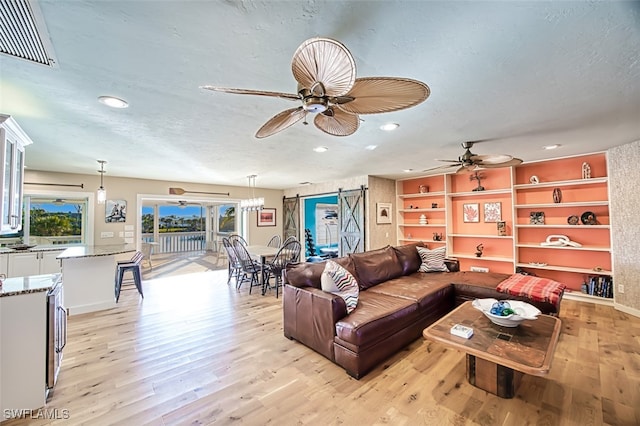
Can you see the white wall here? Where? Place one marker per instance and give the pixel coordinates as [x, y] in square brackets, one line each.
[128, 189]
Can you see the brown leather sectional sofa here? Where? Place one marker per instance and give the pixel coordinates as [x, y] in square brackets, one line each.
[396, 303]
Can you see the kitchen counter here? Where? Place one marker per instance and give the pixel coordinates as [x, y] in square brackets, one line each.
[88, 273]
[32, 249]
[93, 251]
[26, 285]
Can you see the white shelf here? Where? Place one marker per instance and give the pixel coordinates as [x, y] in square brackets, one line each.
[583, 297]
[439, 209]
[422, 195]
[584, 248]
[567, 226]
[486, 258]
[479, 193]
[417, 240]
[564, 269]
[560, 183]
[417, 225]
[507, 237]
[560, 205]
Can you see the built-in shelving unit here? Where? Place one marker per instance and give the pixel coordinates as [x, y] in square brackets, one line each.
[552, 191]
[578, 195]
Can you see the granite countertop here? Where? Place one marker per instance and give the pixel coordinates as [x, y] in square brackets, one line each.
[35, 248]
[25, 285]
[94, 251]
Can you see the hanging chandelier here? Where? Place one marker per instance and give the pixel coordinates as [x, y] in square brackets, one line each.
[101, 193]
[253, 203]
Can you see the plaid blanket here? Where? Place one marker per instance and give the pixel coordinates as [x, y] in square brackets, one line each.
[535, 288]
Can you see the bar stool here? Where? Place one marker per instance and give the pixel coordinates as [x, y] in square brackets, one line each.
[132, 265]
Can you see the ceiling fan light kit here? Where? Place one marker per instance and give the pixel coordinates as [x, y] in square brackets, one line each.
[325, 72]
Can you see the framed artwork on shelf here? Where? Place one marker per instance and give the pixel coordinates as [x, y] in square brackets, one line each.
[492, 212]
[536, 218]
[115, 211]
[383, 212]
[471, 212]
[266, 217]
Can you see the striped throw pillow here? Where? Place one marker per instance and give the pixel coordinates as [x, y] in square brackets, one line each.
[337, 280]
[433, 260]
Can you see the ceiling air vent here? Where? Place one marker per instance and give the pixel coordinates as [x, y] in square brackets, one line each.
[23, 33]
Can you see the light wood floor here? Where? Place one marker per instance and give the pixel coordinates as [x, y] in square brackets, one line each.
[196, 351]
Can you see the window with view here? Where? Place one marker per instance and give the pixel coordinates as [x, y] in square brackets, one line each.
[52, 221]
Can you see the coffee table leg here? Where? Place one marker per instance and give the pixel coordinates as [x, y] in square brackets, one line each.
[493, 378]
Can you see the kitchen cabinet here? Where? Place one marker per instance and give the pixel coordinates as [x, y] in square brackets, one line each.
[12, 143]
[24, 264]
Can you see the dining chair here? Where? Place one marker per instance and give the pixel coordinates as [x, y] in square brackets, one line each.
[288, 253]
[249, 267]
[289, 238]
[234, 266]
[239, 238]
[275, 241]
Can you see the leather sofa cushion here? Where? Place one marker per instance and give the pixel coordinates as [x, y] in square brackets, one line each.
[424, 289]
[377, 317]
[305, 274]
[409, 257]
[376, 266]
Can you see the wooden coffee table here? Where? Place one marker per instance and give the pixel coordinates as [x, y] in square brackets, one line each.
[497, 357]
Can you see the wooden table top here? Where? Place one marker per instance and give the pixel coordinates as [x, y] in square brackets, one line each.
[527, 348]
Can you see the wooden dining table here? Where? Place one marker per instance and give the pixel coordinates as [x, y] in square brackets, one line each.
[262, 253]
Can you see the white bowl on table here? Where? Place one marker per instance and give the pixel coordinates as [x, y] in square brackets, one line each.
[523, 311]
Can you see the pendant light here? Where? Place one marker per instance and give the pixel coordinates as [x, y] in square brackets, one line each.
[102, 193]
[253, 203]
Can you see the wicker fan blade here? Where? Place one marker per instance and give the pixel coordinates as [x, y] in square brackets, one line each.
[438, 169]
[337, 123]
[289, 96]
[280, 122]
[509, 163]
[325, 61]
[490, 159]
[374, 95]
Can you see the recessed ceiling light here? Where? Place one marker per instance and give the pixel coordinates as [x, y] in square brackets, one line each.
[554, 146]
[389, 127]
[113, 102]
[321, 149]
[371, 147]
[407, 170]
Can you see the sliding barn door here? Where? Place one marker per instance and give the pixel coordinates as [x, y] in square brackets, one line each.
[351, 218]
[291, 221]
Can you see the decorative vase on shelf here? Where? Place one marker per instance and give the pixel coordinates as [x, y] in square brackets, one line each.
[423, 219]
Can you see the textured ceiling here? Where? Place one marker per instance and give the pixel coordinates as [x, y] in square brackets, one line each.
[525, 74]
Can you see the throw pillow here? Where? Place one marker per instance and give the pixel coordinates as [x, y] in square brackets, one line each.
[433, 260]
[337, 280]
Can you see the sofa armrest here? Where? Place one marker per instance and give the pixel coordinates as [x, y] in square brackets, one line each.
[310, 316]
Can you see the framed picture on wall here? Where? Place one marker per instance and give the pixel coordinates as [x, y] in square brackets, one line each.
[266, 217]
[383, 212]
[471, 212]
[492, 212]
[115, 211]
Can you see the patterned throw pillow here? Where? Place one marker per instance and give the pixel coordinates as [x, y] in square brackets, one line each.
[335, 279]
[432, 260]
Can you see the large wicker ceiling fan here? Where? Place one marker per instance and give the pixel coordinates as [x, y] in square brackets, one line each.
[470, 161]
[327, 86]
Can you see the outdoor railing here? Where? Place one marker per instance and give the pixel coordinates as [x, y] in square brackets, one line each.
[174, 242]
